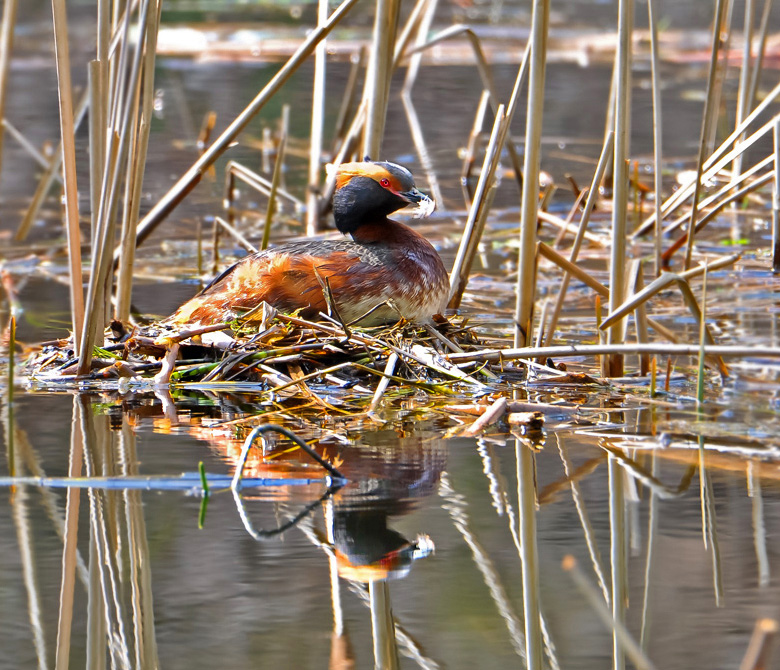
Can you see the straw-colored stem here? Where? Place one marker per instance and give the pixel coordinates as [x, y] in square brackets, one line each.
[117, 151]
[652, 533]
[67, 133]
[743, 97]
[755, 73]
[617, 551]
[710, 111]
[277, 175]
[759, 526]
[25, 144]
[49, 176]
[357, 63]
[612, 366]
[378, 76]
[525, 290]
[655, 70]
[6, 47]
[136, 170]
[192, 177]
[459, 275]
[69, 551]
[659, 348]
[721, 157]
[593, 193]
[317, 125]
[526, 502]
[776, 199]
[592, 595]
[487, 79]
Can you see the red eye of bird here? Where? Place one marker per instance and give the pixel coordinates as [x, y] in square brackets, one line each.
[385, 182]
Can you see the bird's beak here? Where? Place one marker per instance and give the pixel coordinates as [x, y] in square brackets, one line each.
[425, 205]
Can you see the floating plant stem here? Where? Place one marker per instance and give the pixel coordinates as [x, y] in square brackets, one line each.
[710, 111]
[526, 262]
[67, 133]
[193, 175]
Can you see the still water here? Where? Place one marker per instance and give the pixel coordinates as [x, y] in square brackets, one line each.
[416, 561]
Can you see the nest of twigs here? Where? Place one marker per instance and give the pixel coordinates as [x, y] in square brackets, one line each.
[282, 353]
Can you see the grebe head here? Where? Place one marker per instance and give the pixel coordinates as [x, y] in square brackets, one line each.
[368, 191]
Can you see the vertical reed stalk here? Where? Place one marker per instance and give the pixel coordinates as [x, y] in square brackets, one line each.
[136, 170]
[776, 200]
[755, 73]
[317, 124]
[67, 132]
[759, 527]
[652, 533]
[467, 250]
[617, 534]
[6, 47]
[9, 405]
[382, 626]
[590, 202]
[710, 111]
[277, 175]
[70, 548]
[526, 503]
[743, 98]
[116, 156]
[612, 365]
[655, 65]
[192, 177]
[378, 76]
[526, 263]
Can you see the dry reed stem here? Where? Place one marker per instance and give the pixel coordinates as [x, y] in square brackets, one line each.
[6, 47]
[776, 199]
[120, 119]
[192, 177]
[755, 73]
[655, 287]
[710, 112]
[136, 169]
[96, 72]
[236, 235]
[718, 159]
[378, 76]
[317, 126]
[26, 145]
[529, 208]
[423, 26]
[459, 275]
[593, 193]
[743, 95]
[487, 78]
[655, 74]
[471, 146]
[612, 366]
[275, 179]
[723, 192]
[67, 131]
[49, 176]
[760, 650]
